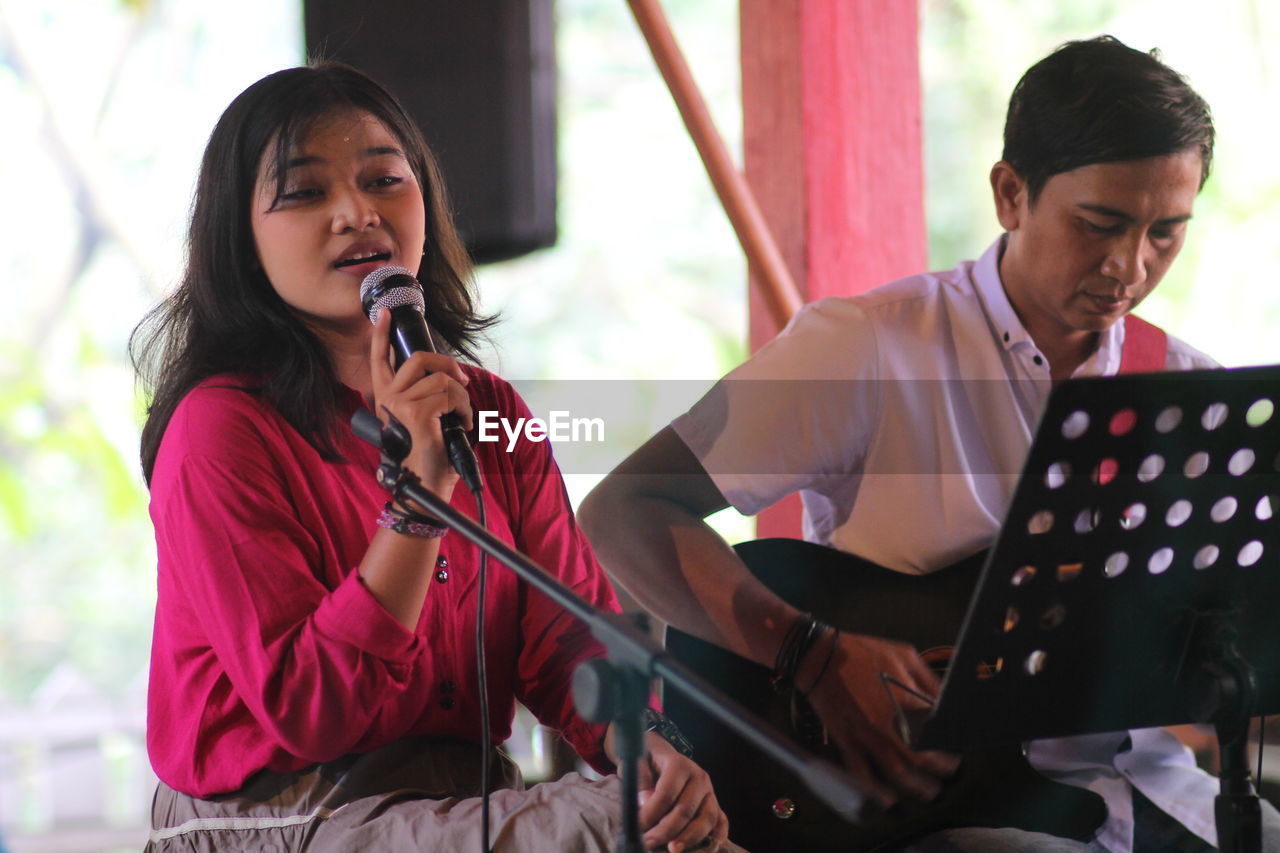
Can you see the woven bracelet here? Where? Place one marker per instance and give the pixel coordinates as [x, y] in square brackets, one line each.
[409, 523]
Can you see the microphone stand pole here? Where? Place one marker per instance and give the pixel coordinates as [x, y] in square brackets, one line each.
[615, 690]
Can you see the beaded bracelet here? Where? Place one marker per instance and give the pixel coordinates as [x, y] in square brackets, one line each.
[408, 523]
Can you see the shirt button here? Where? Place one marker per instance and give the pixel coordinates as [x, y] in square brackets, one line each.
[448, 686]
[442, 575]
[1038, 360]
[1006, 337]
[442, 561]
[447, 703]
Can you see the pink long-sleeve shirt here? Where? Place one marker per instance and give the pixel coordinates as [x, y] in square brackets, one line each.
[270, 653]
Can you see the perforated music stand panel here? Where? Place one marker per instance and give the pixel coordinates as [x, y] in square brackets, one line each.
[1147, 505]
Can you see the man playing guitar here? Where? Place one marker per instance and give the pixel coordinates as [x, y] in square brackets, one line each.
[903, 416]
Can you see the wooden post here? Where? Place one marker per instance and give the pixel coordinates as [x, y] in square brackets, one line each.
[832, 147]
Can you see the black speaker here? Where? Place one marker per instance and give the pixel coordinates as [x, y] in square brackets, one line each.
[478, 76]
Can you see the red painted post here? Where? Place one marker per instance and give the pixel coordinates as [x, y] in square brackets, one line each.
[832, 146]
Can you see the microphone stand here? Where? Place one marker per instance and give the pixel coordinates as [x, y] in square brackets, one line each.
[615, 689]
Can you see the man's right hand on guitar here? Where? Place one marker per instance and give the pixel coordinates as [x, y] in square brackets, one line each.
[851, 699]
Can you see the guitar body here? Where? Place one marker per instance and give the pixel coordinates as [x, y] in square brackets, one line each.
[994, 787]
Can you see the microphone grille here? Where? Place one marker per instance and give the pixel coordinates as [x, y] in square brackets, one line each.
[374, 296]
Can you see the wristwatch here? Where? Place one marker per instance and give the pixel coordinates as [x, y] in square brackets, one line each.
[656, 721]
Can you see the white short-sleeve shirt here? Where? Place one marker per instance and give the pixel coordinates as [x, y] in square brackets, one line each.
[903, 417]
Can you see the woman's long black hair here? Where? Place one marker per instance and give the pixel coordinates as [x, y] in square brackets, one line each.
[225, 317]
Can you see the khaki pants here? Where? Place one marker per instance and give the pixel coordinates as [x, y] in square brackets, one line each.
[415, 795]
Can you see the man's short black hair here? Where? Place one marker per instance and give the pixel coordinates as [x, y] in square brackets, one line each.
[1100, 101]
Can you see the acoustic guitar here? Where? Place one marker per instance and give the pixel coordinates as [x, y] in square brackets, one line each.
[771, 810]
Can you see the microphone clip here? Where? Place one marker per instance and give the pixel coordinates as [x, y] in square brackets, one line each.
[394, 444]
[395, 438]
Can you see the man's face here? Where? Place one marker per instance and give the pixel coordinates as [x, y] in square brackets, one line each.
[1097, 240]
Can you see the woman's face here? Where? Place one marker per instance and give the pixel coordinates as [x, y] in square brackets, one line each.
[349, 205]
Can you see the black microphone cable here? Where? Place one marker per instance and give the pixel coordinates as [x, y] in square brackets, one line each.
[395, 289]
[482, 679]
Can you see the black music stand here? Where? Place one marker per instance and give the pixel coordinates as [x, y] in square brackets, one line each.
[1134, 580]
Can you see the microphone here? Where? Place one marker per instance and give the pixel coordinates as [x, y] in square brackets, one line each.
[395, 289]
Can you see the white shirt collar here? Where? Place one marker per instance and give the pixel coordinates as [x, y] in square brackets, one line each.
[1005, 324]
[1010, 332]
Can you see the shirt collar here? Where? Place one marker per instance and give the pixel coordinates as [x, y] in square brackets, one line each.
[1010, 332]
[1005, 324]
[1105, 360]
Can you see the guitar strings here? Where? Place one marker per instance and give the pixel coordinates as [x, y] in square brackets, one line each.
[899, 715]
[886, 679]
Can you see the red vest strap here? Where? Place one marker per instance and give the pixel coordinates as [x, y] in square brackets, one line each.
[1146, 347]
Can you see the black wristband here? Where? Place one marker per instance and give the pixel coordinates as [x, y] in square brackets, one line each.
[831, 652]
[800, 637]
[401, 511]
[656, 721]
